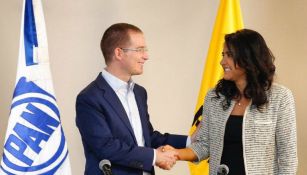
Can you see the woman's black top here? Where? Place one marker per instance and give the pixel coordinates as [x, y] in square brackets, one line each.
[233, 148]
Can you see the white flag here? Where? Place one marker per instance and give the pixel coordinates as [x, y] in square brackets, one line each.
[34, 142]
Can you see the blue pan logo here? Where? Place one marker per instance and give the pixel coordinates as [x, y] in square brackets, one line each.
[35, 123]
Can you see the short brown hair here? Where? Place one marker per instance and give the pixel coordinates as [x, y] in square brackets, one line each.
[117, 35]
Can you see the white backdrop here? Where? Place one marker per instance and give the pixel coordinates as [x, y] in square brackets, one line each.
[178, 34]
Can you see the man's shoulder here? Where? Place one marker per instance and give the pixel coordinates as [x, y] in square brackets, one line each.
[140, 90]
[139, 87]
[93, 87]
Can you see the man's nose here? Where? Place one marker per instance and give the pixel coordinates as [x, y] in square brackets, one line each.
[145, 55]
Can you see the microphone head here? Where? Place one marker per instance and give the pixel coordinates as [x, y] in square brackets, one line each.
[103, 163]
[223, 169]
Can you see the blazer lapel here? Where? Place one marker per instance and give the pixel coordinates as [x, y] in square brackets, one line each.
[113, 100]
[141, 106]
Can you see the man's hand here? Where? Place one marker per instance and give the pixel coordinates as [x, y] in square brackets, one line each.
[166, 148]
[166, 157]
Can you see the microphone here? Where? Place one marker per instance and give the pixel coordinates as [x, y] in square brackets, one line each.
[222, 170]
[105, 167]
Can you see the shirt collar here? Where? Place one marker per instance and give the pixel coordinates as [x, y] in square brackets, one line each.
[116, 83]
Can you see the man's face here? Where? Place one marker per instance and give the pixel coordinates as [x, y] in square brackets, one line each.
[135, 54]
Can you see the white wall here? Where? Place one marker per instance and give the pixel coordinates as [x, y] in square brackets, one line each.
[178, 33]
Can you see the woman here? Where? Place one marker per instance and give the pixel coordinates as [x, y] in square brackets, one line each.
[249, 121]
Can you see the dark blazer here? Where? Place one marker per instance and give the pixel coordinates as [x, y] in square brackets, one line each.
[107, 134]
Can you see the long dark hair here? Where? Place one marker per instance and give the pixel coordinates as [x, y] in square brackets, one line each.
[250, 52]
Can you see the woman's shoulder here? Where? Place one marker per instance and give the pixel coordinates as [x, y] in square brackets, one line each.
[213, 98]
[211, 93]
[280, 89]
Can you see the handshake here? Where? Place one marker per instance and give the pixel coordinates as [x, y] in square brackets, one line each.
[166, 157]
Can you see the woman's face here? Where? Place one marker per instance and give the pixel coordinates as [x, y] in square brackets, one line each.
[232, 72]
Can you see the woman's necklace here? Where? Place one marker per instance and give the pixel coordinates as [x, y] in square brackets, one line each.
[242, 102]
[239, 102]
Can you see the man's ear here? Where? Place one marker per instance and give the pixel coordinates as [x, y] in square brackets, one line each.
[118, 53]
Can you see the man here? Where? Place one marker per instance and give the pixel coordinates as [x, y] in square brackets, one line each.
[112, 114]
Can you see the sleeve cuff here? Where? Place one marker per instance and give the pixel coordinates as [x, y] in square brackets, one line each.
[188, 143]
[154, 158]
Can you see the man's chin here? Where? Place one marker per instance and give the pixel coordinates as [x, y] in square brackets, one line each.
[138, 73]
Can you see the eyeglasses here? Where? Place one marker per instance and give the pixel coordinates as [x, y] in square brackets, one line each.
[138, 50]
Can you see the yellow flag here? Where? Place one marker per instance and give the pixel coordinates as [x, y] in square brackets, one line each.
[228, 20]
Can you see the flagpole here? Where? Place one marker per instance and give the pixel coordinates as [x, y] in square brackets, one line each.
[228, 20]
[34, 141]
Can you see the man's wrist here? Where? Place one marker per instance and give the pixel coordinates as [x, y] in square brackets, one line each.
[154, 157]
